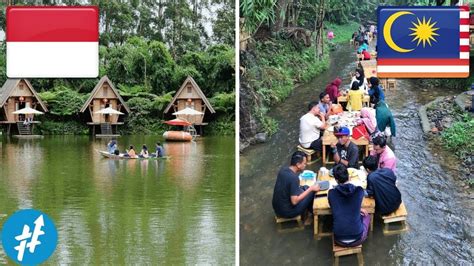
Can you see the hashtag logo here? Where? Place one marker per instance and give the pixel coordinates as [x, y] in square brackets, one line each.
[29, 237]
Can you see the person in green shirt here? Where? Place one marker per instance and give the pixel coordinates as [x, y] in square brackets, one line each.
[384, 118]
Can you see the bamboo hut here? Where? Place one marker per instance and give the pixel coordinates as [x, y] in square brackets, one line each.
[190, 96]
[104, 108]
[16, 95]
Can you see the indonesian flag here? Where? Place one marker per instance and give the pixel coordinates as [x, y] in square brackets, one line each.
[52, 42]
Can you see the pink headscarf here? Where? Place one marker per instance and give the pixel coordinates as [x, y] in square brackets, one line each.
[368, 117]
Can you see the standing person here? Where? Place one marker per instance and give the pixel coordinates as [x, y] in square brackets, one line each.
[333, 89]
[289, 198]
[355, 98]
[325, 104]
[384, 118]
[311, 125]
[375, 92]
[354, 37]
[160, 151]
[381, 184]
[345, 151]
[350, 221]
[384, 154]
[144, 152]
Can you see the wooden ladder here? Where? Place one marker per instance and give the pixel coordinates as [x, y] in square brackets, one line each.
[105, 129]
[24, 129]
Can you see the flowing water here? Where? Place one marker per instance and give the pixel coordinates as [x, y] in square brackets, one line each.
[125, 212]
[439, 211]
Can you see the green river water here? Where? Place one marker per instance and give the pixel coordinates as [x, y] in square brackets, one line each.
[177, 211]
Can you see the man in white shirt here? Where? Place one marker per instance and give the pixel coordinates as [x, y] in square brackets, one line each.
[311, 125]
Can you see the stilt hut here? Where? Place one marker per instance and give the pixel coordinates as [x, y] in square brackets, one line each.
[104, 108]
[190, 96]
[15, 95]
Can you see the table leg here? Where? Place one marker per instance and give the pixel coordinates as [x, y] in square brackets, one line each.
[367, 150]
[324, 155]
[315, 223]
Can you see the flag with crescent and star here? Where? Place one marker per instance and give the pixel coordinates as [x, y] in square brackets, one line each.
[423, 42]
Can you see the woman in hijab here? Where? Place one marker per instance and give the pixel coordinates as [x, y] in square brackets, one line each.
[333, 89]
[359, 78]
[367, 118]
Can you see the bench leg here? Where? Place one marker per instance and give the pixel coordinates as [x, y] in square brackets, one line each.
[372, 222]
[360, 259]
[336, 261]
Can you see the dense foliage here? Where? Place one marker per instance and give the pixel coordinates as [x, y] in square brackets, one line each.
[147, 49]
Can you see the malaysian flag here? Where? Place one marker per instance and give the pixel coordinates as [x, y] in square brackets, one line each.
[423, 42]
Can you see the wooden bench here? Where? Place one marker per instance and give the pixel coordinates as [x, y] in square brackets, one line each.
[345, 251]
[309, 153]
[400, 215]
[281, 220]
[391, 84]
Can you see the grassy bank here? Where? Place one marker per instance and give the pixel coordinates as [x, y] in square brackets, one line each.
[277, 66]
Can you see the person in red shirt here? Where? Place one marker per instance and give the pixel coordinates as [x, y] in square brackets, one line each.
[333, 89]
[366, 55]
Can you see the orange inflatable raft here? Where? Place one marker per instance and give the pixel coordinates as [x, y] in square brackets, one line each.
[177, 136]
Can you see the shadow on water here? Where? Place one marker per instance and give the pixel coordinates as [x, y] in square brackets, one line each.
[439, 211]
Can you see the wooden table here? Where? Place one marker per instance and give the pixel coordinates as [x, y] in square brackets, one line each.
[329, 138]
[321, 206]
[369, 67]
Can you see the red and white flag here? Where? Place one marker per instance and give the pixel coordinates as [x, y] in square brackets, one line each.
[52, 42]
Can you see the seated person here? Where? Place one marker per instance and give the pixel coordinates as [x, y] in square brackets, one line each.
[359, 77]
[289, 199]
[355, 97]
[325, 104]
[383, 153]
[144, 152]
[130, 153]
[381, 186]
[366, 55]
[333, 89]
[350, 221]
[367, 118]
[160, 151]
[112, 146]
[345, 151]
[311, 125]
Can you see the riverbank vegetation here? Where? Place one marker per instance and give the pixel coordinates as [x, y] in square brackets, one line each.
[147, 49]
[286, 46]
[453, 127]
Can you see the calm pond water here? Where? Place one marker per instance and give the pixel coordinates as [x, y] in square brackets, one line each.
[439, 212]
[124, 212]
